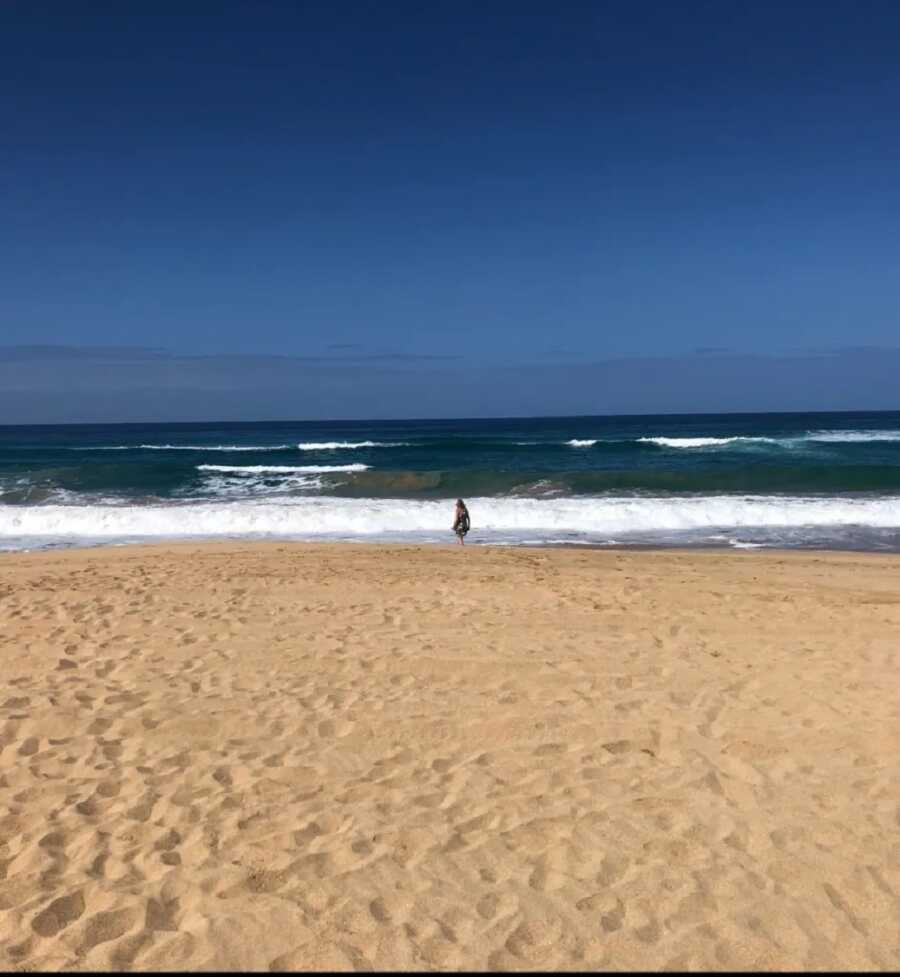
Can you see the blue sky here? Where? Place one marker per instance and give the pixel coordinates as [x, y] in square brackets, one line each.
[510, 187]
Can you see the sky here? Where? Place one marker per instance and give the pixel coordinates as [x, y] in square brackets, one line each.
[243, 210]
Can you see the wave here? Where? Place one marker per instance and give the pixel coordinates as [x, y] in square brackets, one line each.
[142, 482]
[281, 469]
[704, 442]
[318, 516]
[826, 437]
[852, 437]
[668, 442]
[258, 487]
[303, 446]
[744, 480]
[186, 447]
[342, 445]
[470, 444]
[833, 437]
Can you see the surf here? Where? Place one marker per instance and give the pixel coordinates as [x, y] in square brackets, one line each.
[311, 517]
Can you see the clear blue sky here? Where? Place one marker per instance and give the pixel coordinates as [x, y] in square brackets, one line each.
[516, 184]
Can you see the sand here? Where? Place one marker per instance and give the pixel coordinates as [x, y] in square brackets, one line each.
[255, 756]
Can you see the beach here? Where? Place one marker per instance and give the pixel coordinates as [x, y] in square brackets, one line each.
[255, 756]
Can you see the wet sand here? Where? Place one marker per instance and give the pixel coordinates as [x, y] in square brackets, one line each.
[254, 756]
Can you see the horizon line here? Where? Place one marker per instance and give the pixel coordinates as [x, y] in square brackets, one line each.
[420, 420]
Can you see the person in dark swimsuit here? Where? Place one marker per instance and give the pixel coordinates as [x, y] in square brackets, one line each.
[461, 522]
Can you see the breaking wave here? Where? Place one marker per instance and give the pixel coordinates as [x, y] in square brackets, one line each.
[303, 446]
[282, 469]
[704, 442]
[851, 437]
[323, 516]
[343, 445]
[187, 447]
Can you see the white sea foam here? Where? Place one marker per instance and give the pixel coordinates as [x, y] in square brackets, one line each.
[187, 447]
[322, 516]
[282, 469]
[835, 437]
[226, 486]
[303, 446]
[850, 437]
[275, 481]
[342, 445]
[664, 442]
[703, 442]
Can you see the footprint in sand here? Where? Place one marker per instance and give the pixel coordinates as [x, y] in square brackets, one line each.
[535, 939]
[58, 915]
[611, 910]
[87, 807]
[380, 912]
[334, 729]
[17, 702]
[618, 746]
[105, 926]
[160, 915]
[550, 749]
[30, 746]
[142, 810]
[171, 839]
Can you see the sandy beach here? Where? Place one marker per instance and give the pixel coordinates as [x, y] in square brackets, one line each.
[299, 757]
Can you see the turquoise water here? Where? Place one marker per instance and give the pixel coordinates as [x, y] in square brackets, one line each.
[828, 480]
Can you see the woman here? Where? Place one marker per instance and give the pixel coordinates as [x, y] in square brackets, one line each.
[461, 521]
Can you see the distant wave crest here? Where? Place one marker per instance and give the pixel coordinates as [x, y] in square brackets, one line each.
[704, 442]
[281, 469]
[188, 447]
[303, 446]
[344, 445]
[849, 437]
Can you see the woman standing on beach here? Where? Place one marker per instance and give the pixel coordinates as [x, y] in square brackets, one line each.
[461, 521]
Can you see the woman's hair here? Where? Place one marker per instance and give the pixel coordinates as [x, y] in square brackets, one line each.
[460, 502]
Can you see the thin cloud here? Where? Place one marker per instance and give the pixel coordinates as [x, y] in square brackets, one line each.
[54, 354]
[412, 357]
[392, 384]
[47, 352]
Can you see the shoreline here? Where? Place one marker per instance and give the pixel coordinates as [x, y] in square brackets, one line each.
[589, 547]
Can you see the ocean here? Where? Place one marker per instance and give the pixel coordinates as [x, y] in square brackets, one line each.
[730, 480]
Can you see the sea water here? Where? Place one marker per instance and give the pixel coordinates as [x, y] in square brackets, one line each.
[739, 480]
